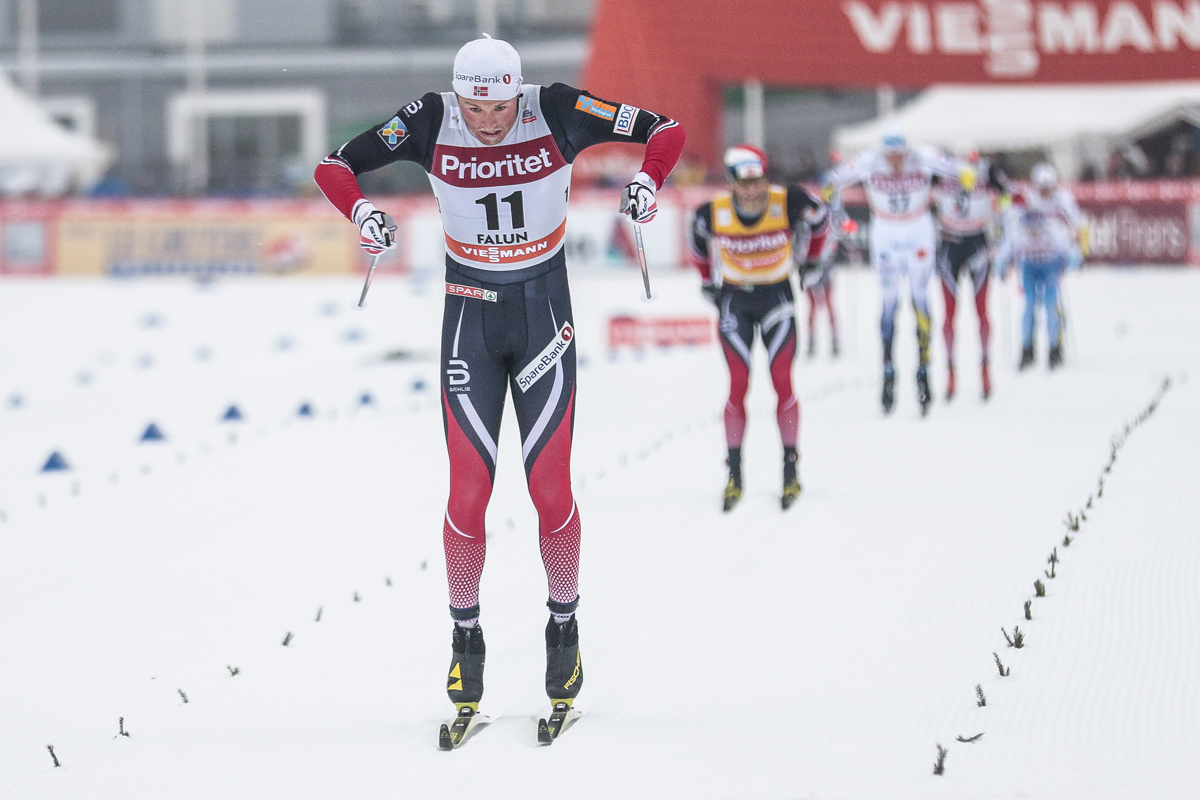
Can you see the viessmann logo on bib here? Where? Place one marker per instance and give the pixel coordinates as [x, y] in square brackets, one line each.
[547, 358]
[502, 165]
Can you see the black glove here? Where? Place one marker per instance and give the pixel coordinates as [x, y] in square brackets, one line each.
[710, 292]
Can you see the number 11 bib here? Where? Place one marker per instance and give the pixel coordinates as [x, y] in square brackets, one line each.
[504, 206]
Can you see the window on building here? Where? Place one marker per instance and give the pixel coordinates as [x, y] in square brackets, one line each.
[79, 16]
[253, 153]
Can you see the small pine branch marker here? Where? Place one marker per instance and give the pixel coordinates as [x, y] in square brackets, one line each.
[287, 639]
[357, 598]
[1006, 637]
[970, 739]
[1004, 672]
[121, 727]
[1028, 612]
[233, 670]
[1039, 589]
[939, 766]
[182, 694]
[1018, 637]
[1067, 540]
[319, 610]
[980, 697]
[50, 747]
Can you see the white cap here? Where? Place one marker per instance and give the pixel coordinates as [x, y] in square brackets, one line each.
[745, 161]
[487, 69]
[894, 140]
[1044, 176]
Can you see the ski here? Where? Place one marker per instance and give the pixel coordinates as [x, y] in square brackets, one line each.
[468, 720]
[561, 718]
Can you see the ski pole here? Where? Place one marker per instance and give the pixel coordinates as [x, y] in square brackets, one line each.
[1067, 321]
[1005, 320]
[637, 235]
[367, 285]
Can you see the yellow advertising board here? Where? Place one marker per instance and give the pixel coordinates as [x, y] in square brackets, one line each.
[204, 237]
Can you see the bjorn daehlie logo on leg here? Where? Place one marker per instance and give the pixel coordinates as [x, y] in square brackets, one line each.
[457, 375]
[546, 359]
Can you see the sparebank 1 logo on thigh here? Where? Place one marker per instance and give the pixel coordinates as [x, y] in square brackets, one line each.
[547, 358]
[457, 375]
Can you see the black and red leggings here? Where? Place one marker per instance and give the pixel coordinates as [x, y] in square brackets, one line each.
[770, 309]
[497, 336]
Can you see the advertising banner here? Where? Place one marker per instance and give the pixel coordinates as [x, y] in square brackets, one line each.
[702, 46]
[28, 238]
[1138, 233]
[145, 237]
[1132, 223]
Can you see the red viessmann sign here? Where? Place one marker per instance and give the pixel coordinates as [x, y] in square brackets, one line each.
[1023, 40]
[684, 52]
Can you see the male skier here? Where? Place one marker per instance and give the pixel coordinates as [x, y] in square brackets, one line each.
[754, 235]
[1044, 233]
[898, 180]
[964, 218]
[499, 155]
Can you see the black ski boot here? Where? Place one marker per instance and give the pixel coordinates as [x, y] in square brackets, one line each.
[791, 477]
[733, 489]
[465, 681]
[1055, 359]
[889, 388]
[924, 396]
[1026, 357]
[564, 668]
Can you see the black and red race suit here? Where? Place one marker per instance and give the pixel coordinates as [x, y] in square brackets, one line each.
[507, 322]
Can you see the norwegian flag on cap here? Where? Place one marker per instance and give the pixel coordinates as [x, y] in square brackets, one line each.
[481, 91]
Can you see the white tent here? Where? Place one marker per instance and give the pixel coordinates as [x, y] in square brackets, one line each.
[1073, 123]
[39, 157]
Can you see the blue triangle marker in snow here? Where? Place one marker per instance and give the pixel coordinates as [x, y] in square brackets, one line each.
[152, 434]
[418, 385]
[305, 410]
[55, 463]
[232, 414]
[366, 399]
[15, 401]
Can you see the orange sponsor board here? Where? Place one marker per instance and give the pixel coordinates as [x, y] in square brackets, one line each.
[128, 239]
[625, 331]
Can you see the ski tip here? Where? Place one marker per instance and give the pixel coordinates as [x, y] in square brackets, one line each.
[544, 735]
[444, 740]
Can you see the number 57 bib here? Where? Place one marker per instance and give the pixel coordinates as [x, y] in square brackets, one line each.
[504, 206]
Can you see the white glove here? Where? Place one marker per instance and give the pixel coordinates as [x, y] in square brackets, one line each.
[811, 273]
[376, 229]
[637, 198]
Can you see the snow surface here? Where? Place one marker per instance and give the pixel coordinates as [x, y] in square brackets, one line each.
[824, 652]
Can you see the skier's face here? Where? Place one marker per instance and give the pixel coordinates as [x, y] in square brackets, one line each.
[895, 159]
[489, 120]
[750, 194]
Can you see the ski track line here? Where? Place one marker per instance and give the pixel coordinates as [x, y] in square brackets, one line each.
[1099, 591]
